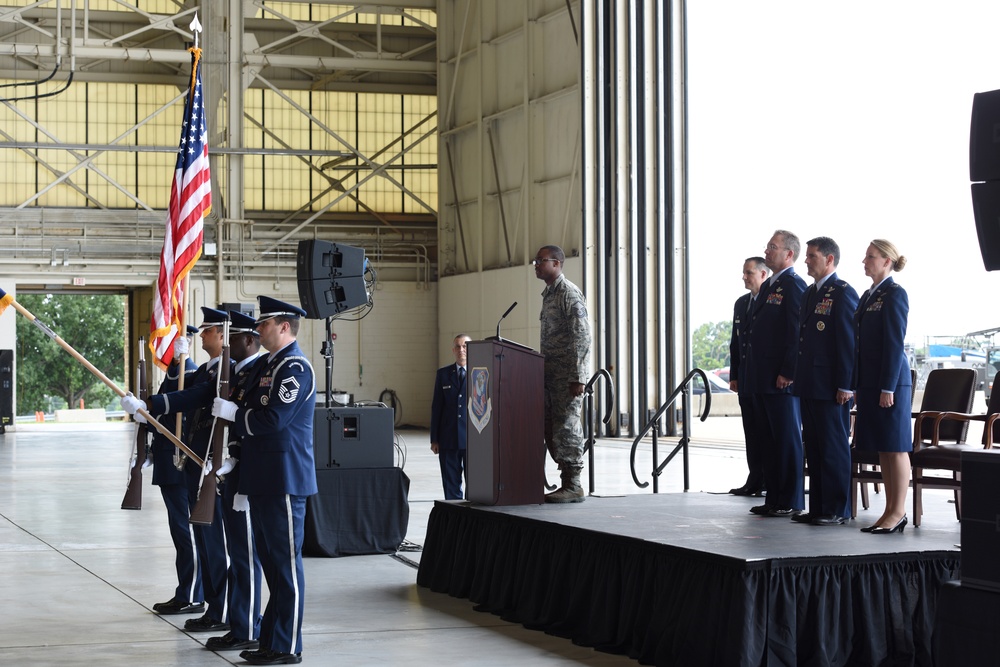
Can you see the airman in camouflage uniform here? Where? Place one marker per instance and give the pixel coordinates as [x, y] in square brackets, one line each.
[565, 343]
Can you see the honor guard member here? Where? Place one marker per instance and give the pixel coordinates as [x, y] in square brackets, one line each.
[274, 421]
[244, 563]
[188, 596]
[565, 344]
[193, 402]
[823, 381]
[448, 436]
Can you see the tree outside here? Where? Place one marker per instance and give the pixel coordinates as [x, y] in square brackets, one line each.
[47, 375]
[710, 345]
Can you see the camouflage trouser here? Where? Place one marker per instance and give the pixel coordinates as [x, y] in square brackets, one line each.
[563, 428]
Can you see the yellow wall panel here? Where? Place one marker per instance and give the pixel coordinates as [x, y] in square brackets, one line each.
[97, 113]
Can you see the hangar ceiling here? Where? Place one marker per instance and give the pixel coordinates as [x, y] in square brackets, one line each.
[85, 196]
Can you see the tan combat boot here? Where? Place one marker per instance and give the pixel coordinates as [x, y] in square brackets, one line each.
[571, 491]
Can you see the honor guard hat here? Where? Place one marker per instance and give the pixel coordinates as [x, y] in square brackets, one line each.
[242, 323]
[270, 307]
[191, 330]
[213, 318]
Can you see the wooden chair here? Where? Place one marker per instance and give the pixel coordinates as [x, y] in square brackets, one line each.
[946, 390]
[941, 454]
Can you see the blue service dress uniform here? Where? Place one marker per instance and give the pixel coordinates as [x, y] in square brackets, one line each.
[881, 365]
[826, 363]
[772, 350]
[737, 367]
[195, 403]
[278, 472]
[244, 564]
[448, 426]
[174, 490]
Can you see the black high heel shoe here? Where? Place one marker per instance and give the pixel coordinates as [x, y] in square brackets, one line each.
[868, 529]
[898, 528]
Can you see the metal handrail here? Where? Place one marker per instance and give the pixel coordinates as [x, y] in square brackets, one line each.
[654, 425]
[588, 422]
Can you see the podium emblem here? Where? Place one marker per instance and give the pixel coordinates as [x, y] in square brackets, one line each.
[480, 404]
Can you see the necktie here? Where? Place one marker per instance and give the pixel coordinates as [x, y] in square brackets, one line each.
[863, 302]
[461, 374]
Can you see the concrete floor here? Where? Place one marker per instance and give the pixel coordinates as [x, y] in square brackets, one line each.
[81, 575]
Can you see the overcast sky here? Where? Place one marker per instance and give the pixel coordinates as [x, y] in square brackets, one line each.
[847, 119]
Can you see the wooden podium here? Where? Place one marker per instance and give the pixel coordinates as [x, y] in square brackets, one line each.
[506, 428]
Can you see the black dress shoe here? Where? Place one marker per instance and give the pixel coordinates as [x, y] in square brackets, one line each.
[805, 517]
[272, 658]
[783, 512]
[205, 624]
[828, 520]
[761, 510]
[228, 642]
[898, 528]
[176, 606]
[260, 652]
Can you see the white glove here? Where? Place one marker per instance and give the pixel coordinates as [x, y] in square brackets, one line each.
[240, 503]
[181, 346]
[227, 466]
[130, 403]
[207, 470]
[224, 409]
[148, 462]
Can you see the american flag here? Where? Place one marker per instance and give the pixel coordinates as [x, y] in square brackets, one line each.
[190, 202]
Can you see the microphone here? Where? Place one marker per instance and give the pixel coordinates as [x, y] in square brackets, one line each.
[505, 314]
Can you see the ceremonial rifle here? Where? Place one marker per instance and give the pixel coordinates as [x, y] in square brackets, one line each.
[204, 509]
[133, 494]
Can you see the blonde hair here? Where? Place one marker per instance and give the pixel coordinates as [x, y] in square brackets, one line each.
[887, 249]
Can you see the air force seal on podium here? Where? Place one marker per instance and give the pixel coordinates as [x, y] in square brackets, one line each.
[480, 403]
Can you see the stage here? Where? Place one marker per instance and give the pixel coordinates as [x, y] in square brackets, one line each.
[695, 579]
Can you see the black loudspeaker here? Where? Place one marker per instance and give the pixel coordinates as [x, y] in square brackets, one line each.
[245, 308]
[353, 437]
[330, 278]
[6, 389]
[986, 207]
[984, 137]
[984, 171]
[980, 519]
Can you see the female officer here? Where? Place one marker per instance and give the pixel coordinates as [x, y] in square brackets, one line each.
[882, 381]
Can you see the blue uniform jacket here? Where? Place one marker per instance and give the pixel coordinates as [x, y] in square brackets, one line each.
[773, 334]
[880, 323]
[195, 402]
[826, 340]
[275, 424]
[164, 472]
[239, 386]
[448, 409]
[738, 343]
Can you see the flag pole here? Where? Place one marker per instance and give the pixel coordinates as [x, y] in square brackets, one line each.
[181, 367]
[8, 299]
[182, 319]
